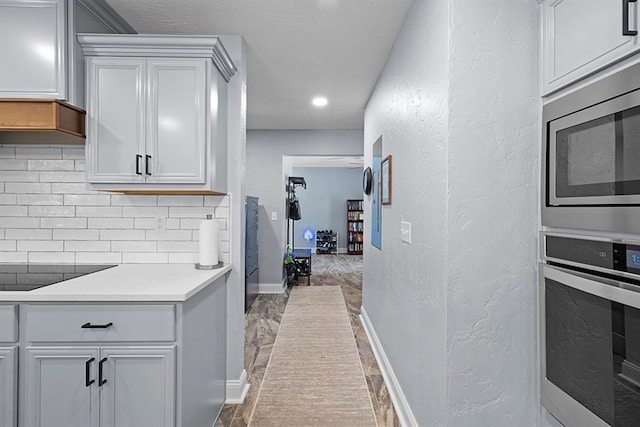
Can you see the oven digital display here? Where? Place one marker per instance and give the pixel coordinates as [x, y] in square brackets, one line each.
[633, 258]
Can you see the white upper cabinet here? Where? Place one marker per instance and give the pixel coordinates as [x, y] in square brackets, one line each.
[176, 126]
[39, 50]
[118, 117]
[581, 37]
[156, 113]
[33, 34]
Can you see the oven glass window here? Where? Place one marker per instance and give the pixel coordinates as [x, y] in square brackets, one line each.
[600, 157]
[593, 352]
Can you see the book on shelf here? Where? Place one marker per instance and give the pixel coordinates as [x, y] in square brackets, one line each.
[355, 226]
[354, 247]
[355, 216]
[355, 236]
[354, 205]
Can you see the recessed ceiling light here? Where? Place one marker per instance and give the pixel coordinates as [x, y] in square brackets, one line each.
[320, 101]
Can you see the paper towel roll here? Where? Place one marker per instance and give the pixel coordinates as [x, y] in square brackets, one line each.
[209, 233]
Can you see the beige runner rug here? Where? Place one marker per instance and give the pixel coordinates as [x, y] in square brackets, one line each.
[314, 376]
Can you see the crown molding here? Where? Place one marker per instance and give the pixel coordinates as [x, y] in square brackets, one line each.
[159, 45]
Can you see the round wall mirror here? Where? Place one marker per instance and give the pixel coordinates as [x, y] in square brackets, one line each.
[367, 178]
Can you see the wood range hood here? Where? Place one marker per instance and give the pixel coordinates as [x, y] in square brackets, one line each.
[40, 121]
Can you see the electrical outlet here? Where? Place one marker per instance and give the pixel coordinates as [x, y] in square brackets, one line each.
[159, 223]
[274, 216]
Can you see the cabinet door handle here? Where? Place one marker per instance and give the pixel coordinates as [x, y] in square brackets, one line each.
[101, 381]
[88, 325]
[146, 164]
[87, 372]
[625, 19]
[138, 158]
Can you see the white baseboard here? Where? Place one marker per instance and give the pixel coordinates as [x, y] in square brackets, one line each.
[237, 389]
[395, 391]
[272, 288]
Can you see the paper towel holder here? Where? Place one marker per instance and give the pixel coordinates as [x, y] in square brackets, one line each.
[209, 267]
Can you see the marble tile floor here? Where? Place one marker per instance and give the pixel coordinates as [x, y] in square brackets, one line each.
[261, 327]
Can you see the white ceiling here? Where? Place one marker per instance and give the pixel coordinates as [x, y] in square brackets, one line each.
[327, 161]
[297, 49]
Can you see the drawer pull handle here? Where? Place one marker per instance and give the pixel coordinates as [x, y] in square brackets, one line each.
[147, 168]
[88, 325]
[87, 372]
[625, 19]
[101, 381]
[138, 158]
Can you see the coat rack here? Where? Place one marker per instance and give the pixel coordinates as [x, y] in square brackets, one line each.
[292, 183]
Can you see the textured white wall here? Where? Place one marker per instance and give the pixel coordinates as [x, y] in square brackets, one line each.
[236, 173]
[404, 285]
[455, 310]
[492, 216]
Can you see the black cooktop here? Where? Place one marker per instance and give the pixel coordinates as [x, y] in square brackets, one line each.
[26, 277]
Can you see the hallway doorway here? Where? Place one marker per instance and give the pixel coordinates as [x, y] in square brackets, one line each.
[330, 182]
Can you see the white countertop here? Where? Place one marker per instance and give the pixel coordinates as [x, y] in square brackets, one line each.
[127, 282]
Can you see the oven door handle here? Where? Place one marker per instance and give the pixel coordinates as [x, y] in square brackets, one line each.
[609, 289]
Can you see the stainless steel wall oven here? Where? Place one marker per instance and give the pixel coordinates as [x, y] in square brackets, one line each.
[590, 330]
[591, 156]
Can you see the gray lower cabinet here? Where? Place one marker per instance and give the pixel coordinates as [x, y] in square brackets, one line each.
[99, 365]
[8, 385]
[118, 364]
[109, 386]
[56, 393]
[8, 365]
[139, 388]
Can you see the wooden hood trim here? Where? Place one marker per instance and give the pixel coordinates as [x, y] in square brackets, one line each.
[41, 121]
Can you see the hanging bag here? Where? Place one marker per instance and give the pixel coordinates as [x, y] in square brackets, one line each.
[294, 209]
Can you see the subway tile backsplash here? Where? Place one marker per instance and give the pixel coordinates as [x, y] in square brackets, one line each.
[47, 215]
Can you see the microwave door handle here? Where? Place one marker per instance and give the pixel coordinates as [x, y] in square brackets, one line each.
[614, 290]
[625, 19]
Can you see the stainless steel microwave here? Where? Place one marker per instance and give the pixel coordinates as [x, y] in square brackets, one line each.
[591, 156]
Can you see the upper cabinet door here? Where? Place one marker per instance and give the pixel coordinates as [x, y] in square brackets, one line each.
[581, 37]
[176, 121]
[33, 49]
[115, 117]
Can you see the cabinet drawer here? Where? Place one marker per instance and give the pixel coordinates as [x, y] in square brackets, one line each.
[8, 323]
[57, 323]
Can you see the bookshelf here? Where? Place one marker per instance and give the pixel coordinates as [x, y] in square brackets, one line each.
[355, 226]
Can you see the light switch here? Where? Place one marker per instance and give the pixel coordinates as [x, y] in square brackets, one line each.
[274, 216]
[405, 231]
